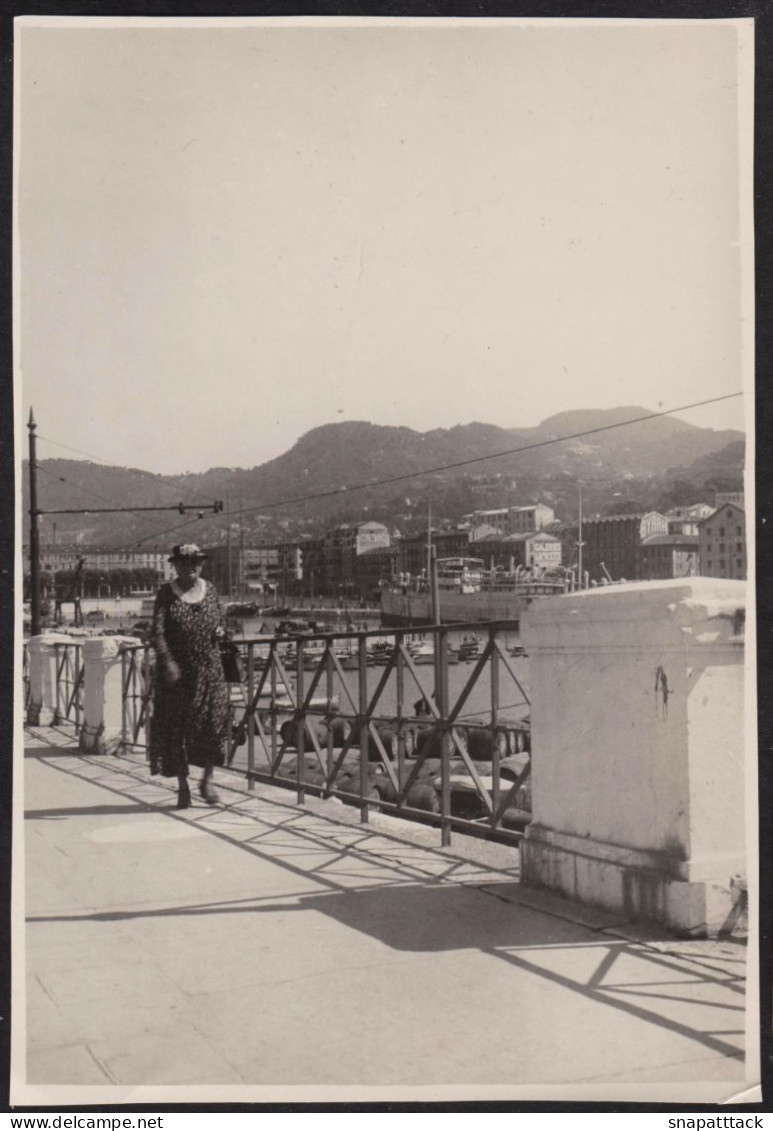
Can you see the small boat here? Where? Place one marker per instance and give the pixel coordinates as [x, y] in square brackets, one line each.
[470, 647]
[381, 652]
[422, 652]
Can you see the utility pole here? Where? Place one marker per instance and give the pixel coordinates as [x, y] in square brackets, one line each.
[242, 574]
[228, 541]
[579, 541]
[34, 531]
[429, 545]
[35, 512]
[434, 587]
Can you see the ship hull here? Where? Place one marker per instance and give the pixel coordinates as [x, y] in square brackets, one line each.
[400, 610]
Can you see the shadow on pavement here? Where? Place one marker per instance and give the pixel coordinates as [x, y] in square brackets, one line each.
[88, 811]
[388, 902]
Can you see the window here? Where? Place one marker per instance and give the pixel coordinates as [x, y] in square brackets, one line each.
[721, 532]
[739, 530]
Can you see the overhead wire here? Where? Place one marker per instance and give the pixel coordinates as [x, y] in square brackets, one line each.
[179, 488]
[346, 489]
[86, 490]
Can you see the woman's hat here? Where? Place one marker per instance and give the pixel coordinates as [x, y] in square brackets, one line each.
[187, 550]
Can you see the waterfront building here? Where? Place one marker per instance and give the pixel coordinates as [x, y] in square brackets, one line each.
[668, 556]
[722, 543]
[412, 554]
[684, 520]
[58, 558]
[496, 519]
[522, 520]
[513, 520]
[312, 566]
[451, 543]
[483, 532]
[734, 498]
[537, 550]
[342, 546]
[613, 543]
[372, 567]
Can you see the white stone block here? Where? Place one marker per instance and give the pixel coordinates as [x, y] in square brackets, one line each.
[637, 720]
[102, 728]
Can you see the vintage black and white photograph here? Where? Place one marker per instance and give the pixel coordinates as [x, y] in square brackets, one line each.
[384, 422]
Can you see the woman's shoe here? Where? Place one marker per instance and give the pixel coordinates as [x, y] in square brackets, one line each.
[183, 796]
[208, 793]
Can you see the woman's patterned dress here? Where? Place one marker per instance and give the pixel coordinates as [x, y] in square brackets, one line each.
[190, 717]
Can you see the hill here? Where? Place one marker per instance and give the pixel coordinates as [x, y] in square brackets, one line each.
[301, 488]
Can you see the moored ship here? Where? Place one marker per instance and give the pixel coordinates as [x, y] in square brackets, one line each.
[468, 592]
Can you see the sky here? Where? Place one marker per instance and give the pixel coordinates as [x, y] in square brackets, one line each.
[230, 235]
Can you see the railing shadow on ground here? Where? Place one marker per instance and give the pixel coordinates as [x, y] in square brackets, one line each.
[429, 913]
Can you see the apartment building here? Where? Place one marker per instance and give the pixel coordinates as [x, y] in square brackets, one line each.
[722, 543]
[612, 544]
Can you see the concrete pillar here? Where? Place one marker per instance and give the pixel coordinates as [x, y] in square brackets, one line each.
[41, 660]
[638, 774]
[101, 731]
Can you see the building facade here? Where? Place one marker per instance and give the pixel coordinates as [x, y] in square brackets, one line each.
[612, 544]
[735, 498]
[684, 520]
[722, 543]
[668, 555]
[525, 520]
[342, 546]
[534, 551]
[513, 520]
[54, 558]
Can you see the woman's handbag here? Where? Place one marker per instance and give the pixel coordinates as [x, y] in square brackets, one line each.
[230, 657]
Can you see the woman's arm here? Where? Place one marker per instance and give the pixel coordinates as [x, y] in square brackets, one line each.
[221, 629]
[158, 639]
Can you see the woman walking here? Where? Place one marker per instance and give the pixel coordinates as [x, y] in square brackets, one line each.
[190, 702]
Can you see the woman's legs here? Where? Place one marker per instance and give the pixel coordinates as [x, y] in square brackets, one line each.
[183, 792]
[205, 788]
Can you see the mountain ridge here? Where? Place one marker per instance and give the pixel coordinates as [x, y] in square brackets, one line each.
[356, 454]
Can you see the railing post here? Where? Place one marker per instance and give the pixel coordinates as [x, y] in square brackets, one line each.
[300, 739]
[362, 670]
[494, 678]
[126, 659]
[78, 686]
[400, 692]
[58, 713]
[250, 716]
[441, 698]
[147, 702]
[272, 701]
[330, 742]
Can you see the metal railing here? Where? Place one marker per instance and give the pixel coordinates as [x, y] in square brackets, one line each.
[137, 671]
[69, 684]
[335, 714]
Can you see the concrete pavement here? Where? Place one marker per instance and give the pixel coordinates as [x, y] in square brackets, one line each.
[256, 943]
